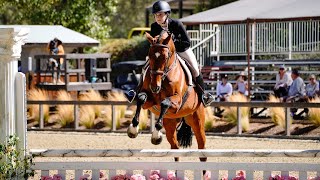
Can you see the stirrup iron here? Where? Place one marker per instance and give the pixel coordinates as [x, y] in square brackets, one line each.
[207, 99]
[130, 95]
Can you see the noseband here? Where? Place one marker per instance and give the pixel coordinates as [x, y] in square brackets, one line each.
[167, 68]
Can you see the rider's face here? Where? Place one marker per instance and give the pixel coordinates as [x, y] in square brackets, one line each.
[160, 17]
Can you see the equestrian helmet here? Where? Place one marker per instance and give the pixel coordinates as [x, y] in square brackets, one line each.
[161, 6]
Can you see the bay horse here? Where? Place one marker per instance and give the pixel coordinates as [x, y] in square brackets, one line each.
[166, 93]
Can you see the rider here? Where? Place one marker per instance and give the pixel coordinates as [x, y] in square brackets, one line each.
[161, 11]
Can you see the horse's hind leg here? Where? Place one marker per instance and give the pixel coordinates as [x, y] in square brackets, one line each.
[196, 121]
[133, 128]
[170, 125]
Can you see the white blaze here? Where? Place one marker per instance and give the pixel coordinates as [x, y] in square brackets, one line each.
[157, 54]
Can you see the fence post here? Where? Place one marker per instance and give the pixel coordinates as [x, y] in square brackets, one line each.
[287, 115]
[114, 121]
[239, 125]
[41, 116]
[21, 113]
[76, 117]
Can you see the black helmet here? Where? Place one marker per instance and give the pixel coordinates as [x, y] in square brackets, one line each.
[160, 6]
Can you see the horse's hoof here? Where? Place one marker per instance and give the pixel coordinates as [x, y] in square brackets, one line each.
[132, 131]
[156, 138]
[156, 141]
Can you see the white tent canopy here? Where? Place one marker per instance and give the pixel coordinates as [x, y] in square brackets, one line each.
[242, 10]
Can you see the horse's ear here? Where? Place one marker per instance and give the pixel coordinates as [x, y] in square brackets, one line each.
[149, 38]
[166, 41]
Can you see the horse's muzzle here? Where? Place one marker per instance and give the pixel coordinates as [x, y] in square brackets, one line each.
[155, 90]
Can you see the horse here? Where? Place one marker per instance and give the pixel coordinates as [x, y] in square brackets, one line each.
[165, 92]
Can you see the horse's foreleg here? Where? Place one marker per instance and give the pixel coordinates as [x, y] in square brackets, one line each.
[134, 128]
[157, 135]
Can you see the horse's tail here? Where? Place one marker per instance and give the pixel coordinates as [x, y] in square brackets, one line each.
[184, 134]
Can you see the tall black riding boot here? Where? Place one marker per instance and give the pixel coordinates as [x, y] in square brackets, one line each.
[206, 98]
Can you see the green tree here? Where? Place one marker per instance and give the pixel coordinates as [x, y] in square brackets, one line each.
[128, 14]
[90, 17]
[212, 4]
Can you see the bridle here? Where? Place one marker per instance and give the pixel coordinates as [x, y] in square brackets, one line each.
[167, 68]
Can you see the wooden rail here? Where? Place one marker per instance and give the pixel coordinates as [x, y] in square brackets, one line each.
[238, 105]
[79, 85]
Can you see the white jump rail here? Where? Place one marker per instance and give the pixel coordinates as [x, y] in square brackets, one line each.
[180, 167]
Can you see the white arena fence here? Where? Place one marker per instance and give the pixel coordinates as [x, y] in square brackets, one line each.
[112, 168]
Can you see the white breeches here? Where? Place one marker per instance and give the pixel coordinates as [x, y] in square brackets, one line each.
[189, 57]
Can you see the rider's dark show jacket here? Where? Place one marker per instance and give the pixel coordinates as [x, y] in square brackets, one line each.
[180, 37]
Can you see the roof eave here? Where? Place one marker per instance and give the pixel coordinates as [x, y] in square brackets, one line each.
[66, 44]
[254, 20]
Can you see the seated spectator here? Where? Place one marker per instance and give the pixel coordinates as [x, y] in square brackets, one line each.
[224, 89]
[241, 84]
[283, 81]
[312, 89]
[297, 89]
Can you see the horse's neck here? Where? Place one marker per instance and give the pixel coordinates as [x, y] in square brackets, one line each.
[182, 71]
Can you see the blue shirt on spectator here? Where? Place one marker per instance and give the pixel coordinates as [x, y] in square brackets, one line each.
[297, 88]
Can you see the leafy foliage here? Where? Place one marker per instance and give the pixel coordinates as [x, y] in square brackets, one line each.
[126, 49]
[129, 14]
[212, 4]
[11, 163]
[86, 16]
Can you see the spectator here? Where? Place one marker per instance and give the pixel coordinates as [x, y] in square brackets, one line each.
[55, 48]
[312, 89]
[283, 81]
[241, 84]
[224, 89]
[297, 89]
[60, 52]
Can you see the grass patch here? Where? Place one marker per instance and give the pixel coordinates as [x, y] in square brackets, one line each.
[93, 96]
[38, 95]
[87, 117]
[65, 112]
[277, 114]
[143, 119]
[230, 113]
[314, 113]
[210, 119]
[119, 110]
